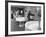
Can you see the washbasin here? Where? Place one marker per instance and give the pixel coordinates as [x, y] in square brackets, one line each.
[20, 19]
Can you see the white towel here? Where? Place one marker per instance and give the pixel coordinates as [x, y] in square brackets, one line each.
[32, 25]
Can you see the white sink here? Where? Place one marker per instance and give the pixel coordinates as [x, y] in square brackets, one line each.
[20, 19]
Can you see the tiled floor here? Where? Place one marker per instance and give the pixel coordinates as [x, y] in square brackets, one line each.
[15, 26]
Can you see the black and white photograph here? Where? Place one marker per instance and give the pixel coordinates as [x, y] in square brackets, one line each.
[24, 18]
